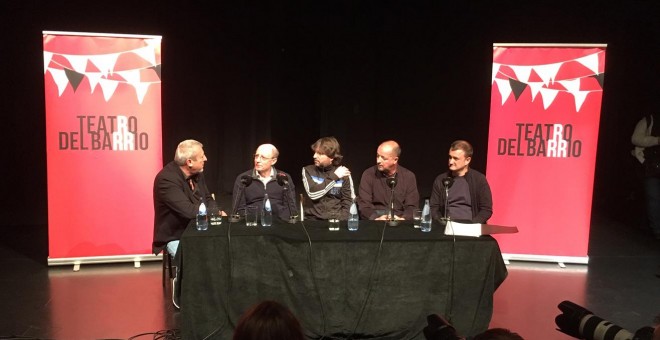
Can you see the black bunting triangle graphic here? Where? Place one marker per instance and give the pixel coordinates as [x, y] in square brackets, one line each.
[517, 87]
[600, 77]
[157, 69]
[74, 78]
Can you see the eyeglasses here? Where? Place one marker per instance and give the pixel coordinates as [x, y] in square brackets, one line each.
[259, 157]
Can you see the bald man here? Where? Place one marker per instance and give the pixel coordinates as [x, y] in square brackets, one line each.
[374, 197]
[264, 181]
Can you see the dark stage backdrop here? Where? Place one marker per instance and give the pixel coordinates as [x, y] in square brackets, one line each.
[290, 72]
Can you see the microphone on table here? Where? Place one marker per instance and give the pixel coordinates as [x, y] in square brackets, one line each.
[283, 181]
[447, 182]
[246, 180]
[391, 182]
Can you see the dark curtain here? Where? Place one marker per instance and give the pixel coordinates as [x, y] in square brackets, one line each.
[236, 75]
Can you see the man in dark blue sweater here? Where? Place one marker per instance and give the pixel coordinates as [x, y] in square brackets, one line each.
[469, 198]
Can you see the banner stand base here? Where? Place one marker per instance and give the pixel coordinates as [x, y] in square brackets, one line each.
[560, 260]
[77, 261]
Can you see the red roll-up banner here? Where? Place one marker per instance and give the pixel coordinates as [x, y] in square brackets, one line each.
[103, 142]
[544, 118]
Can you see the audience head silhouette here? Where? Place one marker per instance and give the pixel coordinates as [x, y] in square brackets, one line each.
[268, 320]
[498, 334]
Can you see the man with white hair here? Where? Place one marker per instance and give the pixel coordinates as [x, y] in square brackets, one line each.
[179, 188]
[264, 180]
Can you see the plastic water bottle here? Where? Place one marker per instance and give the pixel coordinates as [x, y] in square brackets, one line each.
[353, 218]
[426, 217]
[202, 218]
[266, 213]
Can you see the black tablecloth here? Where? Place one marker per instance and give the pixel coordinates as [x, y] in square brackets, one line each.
[326, 278]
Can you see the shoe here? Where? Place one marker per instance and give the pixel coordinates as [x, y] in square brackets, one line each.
[175, 296]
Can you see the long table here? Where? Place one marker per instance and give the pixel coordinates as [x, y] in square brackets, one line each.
[339, 284]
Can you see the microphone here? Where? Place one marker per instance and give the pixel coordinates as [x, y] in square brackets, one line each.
[283, 181]
[447, 182]
[391, 182]
[246, 180]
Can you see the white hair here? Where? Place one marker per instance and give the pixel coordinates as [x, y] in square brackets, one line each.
[185, 151]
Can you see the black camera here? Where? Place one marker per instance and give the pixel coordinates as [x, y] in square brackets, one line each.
[580, 323]
[439, 329]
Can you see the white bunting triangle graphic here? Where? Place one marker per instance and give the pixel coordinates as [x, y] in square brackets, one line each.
[505, 88]
[105, 62]
[132, 76]
[60, 79]
[535, 88]
[547, 72]
[94, 78]
[147, 53]
[108, 87]
[579, 99]
[548, 96]
[522, 72]
[47, 57]
[78, 62]
[141, 90]
[590, 62]
[573, 87]
[496, 68]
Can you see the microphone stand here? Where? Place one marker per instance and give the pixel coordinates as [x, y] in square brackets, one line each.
[235, 216]
[287, 193]
[450, 306]
[446, 204]
[447, 182]
[392, 222]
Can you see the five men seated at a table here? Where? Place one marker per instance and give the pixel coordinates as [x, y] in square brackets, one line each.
[180, 187]
[387, 190]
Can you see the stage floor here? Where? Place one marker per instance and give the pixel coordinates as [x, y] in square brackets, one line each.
[118, 301]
